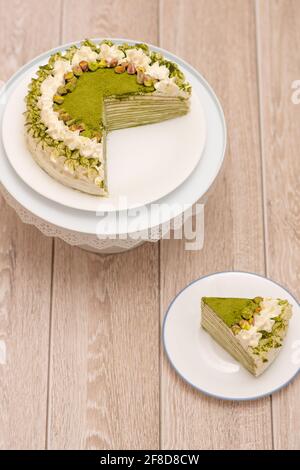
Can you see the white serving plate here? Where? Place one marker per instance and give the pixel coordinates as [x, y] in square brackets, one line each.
[144, 163]
[205, 365]
[85, 222]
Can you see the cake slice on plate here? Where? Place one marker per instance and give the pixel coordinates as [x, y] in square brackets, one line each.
[251, 330]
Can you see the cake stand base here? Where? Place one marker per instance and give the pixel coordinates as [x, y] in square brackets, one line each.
[104, 245]
[113, 250]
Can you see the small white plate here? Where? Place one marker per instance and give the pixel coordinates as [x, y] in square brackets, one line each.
[144, 163]
[205, 365]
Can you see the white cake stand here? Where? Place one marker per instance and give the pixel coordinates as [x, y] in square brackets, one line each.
[122, 230]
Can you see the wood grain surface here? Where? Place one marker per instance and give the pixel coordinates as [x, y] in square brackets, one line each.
[105, 317]
[279, 41]
[230, 241]
[81, 363]
[25, 264]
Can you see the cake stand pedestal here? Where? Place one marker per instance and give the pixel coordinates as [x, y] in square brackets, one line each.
[98, 243]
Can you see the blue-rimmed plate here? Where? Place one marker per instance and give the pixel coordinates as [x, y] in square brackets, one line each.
[205, 365]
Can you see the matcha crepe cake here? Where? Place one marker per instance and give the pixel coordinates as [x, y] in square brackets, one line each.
[92, 89]
[251, 330]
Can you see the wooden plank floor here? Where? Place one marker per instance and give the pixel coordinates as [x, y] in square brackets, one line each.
[84, 364]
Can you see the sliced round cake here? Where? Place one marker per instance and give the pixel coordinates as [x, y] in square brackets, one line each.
[92, 89]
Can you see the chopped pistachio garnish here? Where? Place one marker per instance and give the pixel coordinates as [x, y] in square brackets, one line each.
[61, 90]
[91, 44]
[102, 63]
[68, 76]
[93, 66]
[76, 127]
[245, 325]
[87, 133]
[58, 99]
[70, 86]
[84, 65]
[235, 329]
[120, 69]
[77, 71]
[148, 81]
[131, 69]
[247, 313]
[140, 77]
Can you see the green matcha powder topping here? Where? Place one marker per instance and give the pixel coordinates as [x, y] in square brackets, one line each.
[85, 103]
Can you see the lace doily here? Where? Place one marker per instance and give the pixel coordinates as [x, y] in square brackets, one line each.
[89, 241]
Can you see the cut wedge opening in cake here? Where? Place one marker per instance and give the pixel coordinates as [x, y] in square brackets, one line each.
[251, 330]
[93, 89]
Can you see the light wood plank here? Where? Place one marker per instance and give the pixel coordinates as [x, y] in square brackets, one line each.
[25, 261]
[279, 42]
[131, 19]
[218, 38]
[104, 390]
[27, 31]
